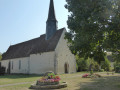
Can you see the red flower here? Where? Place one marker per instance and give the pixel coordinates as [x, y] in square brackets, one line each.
[57, 77]
[51, 76]
[85, 75]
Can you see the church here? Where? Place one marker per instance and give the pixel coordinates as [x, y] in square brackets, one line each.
[49, 52]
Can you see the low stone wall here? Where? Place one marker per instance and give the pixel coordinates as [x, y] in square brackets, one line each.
[58, 86]
[46, 83]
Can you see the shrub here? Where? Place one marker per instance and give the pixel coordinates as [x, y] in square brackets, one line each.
[93, 65]
[117, 67]
[2, 70]
[82, 64]
[106, 65]
[76, 67]
[91, 76]
[91, 72]
[0, 56]
[101, 70]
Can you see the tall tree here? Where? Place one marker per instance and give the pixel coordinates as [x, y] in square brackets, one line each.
[0, 56]
[91, 24]
[112, 41]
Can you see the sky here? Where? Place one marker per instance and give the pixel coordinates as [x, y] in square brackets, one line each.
[22, 20]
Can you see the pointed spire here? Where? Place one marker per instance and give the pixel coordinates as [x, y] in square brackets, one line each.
[51, 24]
[51, 15]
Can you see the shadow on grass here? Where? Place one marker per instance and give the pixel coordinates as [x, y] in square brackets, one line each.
[103, 83]
[18, 76]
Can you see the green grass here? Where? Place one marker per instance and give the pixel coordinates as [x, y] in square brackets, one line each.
[104, 83]
[17, 87]
[11, 79]
[75, 82]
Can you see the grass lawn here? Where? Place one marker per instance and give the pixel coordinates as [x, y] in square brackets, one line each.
[11, 79]
[75, 82]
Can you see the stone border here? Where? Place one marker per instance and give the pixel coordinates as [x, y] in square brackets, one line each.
[61, 85]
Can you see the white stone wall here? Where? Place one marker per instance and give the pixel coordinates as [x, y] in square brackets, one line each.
[15, 65]
[4, 63]
[41, 63]
[23, 66]
[35, 64]
[64, 55]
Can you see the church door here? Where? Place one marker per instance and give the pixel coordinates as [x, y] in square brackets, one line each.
[66, 68]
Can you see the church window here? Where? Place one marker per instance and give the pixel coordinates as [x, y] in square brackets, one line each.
[19, 64]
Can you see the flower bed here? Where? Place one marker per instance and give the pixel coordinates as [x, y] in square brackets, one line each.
[50, 79]
[91, 76]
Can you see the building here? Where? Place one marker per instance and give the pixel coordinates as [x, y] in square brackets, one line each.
[49, 52]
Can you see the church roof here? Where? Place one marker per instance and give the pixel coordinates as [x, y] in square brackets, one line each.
[34, 46]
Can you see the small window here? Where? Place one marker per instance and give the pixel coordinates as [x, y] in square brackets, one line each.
[19, 64]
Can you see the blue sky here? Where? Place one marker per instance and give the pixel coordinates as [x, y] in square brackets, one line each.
[22, 20]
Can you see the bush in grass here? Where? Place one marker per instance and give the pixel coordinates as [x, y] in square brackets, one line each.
[117, 67]
[82, 64]
[2, 70]
[91, 72]
[106, 65]
[91, 76]
[76, 67]
[93, 65]
[101, 70]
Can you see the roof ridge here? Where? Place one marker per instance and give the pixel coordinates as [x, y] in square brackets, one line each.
[36, 45]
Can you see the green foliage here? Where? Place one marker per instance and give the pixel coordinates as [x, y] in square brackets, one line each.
[51, 74]
[93, 65]
[88, 64]
[101, 70]
[116, 57]
[0, 56]
[94, 27]
[106, 64]
[117, 67]
[91, 72]
[76, 66]
[82, 64]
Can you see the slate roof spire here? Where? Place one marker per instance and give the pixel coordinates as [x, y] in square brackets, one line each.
[51, 14]
[51, 24]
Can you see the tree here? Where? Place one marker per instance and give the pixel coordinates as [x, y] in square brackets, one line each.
[92, 25]
[0, 56]
[112, 42]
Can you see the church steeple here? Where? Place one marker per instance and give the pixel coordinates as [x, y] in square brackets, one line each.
[51, 24]
[51, 14]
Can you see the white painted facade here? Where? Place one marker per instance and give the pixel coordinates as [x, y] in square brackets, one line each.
[42, 62]
[64, 55]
